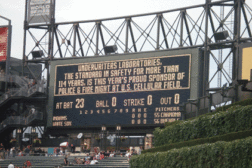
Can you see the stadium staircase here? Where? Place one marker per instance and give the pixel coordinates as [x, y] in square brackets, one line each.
[108, 162]
[23, 89]
[36, 161]
[14, 88]
[56, 162]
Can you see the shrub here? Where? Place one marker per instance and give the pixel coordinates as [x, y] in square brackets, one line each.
[234, 119]
[220, 154]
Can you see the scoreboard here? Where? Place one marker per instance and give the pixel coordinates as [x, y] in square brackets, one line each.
[130, 92]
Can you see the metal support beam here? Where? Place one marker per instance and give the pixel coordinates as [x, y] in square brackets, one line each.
[58, 44]
[206, 48]
[181, 28]
[74, 42]
[79, 39]
[102, 38]
[97, 38]
[187, 28]
[132, 36]
[158, 31]
[127, 35]
[246, 21]
[163, 31]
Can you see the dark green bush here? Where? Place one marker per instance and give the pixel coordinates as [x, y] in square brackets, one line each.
[236, 118]
[234, 154]
[226, 137]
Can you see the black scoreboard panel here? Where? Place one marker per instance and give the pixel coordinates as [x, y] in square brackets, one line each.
[143, 91]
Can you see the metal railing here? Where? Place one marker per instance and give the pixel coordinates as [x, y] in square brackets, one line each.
[21, 81]
[203, 105]
[24, 91]
[21, 120]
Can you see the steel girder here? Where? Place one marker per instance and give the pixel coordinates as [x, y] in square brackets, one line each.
[190, 27]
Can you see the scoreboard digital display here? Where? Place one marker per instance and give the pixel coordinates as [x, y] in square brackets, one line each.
[141, 91]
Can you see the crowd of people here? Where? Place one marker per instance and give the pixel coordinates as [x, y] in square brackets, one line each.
[92, 159]
[27, 164]
[13, 152]
[87, 160]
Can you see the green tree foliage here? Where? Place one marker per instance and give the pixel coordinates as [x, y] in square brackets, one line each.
[221, 154]
[236, 118]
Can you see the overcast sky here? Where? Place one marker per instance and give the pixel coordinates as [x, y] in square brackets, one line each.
[75, 10]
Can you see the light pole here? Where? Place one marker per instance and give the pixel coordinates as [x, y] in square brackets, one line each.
[33, 130]
[19, 138]
[118, 129]
[103, 129]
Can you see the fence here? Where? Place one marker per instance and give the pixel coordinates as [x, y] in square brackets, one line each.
[25, 90]
[203, 105]
[20, 120]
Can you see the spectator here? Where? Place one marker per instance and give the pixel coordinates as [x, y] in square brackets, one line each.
[65, 161]
[27, 151]
[1, 147]
[112, 154]
[94, 161]
[20, 153]
[101, 156]
[57, 151]
[7, 154]
[72, 148]
[10, 165]
[87, 162]
[83, 161]
[27, 164]
[140, 150]
[11, 152]
[61, 151]
[2, 151]
[76, 161]
[97, 156]
[39, 150]
[127, 154]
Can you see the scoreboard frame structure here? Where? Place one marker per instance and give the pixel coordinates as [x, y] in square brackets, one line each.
[75, 104]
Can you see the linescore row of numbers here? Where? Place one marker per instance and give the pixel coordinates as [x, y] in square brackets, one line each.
[109, 111]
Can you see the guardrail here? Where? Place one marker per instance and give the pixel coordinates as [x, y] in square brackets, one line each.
[206, 104]
[24, 91]
[21, 120]
[20, 80]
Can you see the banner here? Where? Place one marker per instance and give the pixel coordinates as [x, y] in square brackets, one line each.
[3, 43]
[39, 11]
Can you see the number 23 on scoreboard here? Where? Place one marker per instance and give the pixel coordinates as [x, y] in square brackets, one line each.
[80, 103]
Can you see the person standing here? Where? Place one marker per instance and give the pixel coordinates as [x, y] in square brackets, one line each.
[2, 151]
[65, 161]
[140, 150]
[72, 148]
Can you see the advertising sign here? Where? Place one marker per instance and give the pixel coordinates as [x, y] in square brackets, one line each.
[3, 43]
[143, 91]
[246, 70]
[39, 11]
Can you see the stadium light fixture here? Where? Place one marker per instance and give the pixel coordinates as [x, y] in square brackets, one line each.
[33, 130]
[37, 54]
[118, 128]
[103, 128]
[221, 35]
[110, 49]
[19, 131]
